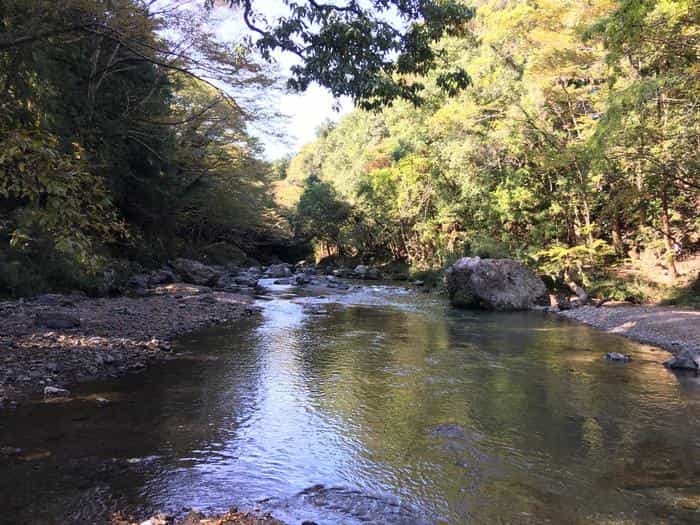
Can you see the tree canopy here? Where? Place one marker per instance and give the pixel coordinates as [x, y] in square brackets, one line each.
[576, 142]
[370, 51]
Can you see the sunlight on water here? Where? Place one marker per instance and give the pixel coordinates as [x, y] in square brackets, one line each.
[380, 405]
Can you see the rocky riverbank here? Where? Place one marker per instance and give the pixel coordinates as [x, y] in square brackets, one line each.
[233, 517]
[53, 341]
[674, 329]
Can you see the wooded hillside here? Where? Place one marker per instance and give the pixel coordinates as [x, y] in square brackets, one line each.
[575, 145]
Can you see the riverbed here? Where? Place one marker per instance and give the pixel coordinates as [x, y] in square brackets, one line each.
[378, 405]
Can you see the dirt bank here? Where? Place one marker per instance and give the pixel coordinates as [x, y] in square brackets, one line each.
[58, 340]
[673, 329]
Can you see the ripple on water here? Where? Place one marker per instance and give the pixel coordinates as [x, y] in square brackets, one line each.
[379, 405]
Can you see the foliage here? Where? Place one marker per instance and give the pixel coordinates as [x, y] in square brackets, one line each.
[115, 142]
[576, 142]
[355, 48]
[320, 215]
[563, 262]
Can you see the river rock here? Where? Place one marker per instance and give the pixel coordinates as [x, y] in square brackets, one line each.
[138, 281]
[54, 391]
[195, 272]
[302, 278]
[494, 284]
[159, 519]
[228, 281]
[247, 279]
[57, 320]
[367, 272]
[687, 359]
[162, 276]
[305, 266]
[617, 356]
[278, 270]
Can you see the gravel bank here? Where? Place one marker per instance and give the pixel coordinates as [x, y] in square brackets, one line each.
[233, 517]
[39, 348]
[673, 329]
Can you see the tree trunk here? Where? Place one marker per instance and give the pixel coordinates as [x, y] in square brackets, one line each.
[617, 236]
[666, 229]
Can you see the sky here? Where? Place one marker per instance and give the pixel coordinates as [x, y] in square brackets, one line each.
[304, 112]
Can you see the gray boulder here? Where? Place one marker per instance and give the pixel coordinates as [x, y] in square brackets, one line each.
[247, 279]
[343, 272]
[138, 281]
[227, 281]
[494, 284]
[194, 272]
[278, 270]
[57, 320]
[361, 270]
[302, 278]
[687, 359]
[373, 274]
[367, 272]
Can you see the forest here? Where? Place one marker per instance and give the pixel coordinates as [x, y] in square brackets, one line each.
[574, 147]
[562, 133]
[125, 127]
[470, 295]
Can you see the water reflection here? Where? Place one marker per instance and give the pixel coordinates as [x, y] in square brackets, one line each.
[374, 406]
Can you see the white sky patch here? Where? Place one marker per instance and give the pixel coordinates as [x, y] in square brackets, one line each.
[303, 112]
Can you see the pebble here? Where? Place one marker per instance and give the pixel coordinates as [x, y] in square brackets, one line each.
[616, 356]
[53, 391]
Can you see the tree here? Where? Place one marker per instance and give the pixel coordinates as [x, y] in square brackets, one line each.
[321, 215]
[579, 132]
[355, 48]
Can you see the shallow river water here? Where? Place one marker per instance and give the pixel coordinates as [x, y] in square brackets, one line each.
[378, 406]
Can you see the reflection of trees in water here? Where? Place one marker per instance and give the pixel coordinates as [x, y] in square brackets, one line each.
[539, 422]
[553, 414]
[102, 458]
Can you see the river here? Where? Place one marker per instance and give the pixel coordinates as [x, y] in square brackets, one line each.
[382, 405]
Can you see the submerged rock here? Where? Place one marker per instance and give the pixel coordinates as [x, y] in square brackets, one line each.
[687, 359]
[494, 284]
[448, 431]
[617, 356]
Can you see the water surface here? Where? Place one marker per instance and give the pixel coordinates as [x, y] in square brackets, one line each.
[378, 406]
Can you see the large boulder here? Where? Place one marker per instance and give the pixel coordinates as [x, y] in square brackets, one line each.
[494, 284]
[195, 272]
